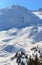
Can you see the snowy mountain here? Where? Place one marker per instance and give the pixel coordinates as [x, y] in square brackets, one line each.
[18, 17]
[20, 30]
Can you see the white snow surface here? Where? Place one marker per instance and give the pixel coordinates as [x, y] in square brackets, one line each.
[38, 13]
[20, 40]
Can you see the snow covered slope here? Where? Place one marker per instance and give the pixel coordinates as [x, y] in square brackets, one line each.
[15, 40]
[18, 17]
[20, 30]
[38, 13]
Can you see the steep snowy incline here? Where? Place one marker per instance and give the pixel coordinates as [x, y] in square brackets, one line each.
[18, 17]
[20, 37]
[19, 40]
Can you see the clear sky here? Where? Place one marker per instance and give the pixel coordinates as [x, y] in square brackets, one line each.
[30, 4]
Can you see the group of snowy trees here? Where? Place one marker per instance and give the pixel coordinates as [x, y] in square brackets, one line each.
[22, 59]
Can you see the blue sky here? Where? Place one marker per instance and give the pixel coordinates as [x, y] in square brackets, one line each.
[30, 4]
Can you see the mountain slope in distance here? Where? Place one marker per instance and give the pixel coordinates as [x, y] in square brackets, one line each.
[18, 17]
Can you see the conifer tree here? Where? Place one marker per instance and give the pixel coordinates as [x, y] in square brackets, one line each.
[31, 61]
[36, 60]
